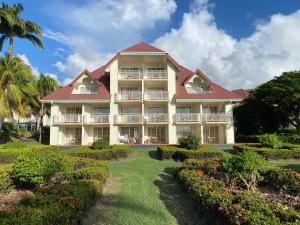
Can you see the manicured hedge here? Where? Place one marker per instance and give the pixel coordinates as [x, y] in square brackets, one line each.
[114, 153]
[180, 154]
[247, 138]
[291, 138]
[6, 183]
[63, 203]
[233, 207]
[286, 152]
[9, 153]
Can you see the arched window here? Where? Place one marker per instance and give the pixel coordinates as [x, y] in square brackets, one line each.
[197, 85]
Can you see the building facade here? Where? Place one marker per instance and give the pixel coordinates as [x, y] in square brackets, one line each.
[141, 96]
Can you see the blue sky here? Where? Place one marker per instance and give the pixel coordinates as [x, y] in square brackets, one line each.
[237, 43]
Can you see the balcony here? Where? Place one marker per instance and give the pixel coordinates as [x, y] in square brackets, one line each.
[67, 119]
[156, 96]
[130, 75]
[217, 117]
[128, 119]
[129, 96]
[187, 118]
[156, 74]
[156, 117]
[96, 119]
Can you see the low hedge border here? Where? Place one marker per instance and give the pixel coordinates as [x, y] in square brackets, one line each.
[64, 203]
[286, 152]
[114, 153]
[233, 207]
[180, 154]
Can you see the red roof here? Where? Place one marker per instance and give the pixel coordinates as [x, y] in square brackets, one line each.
[243, 93]
[65, 93]
[142, 47]
[217, 91]
[182, 76]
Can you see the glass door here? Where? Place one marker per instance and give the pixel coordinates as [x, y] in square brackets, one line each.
[211, 134]
[156, 135]
[129, 135]
[73, 136]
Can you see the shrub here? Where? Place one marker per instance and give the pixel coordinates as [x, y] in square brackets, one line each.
[179, 154]
[209, 166]
[245, 167]
[270, 141]
[279, 179]
[39, 166]
[247, 138]
[14, 145]
[233, 207]
[290, 138]
[189, 142]
[22, 132]
[100, 144]
[5, 181]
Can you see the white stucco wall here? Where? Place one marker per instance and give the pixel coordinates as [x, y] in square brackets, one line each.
[229, 126]
[171, 105]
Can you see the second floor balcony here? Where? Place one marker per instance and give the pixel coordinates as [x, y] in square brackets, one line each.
[156, 117]
[187, 118]
[129, 119]
[130, 74]
[156, 74]
[129, 96]
[156, 96]
[96, 119]
[67, 119]
[217, 117]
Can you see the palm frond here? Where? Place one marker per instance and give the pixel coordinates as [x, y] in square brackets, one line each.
[34, 39]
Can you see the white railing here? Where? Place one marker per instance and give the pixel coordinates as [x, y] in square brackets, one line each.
[187, 118]
[129, 96]
[88, 90]
[217, 117]
[156, 74]
[67, 118]
[128, 119]
[130, 75]
[156, 117]
[96, 118]
[156, 95]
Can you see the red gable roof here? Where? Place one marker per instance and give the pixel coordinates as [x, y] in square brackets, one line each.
[142, 47]
[243, 93]
[65, 93]
[217, 91]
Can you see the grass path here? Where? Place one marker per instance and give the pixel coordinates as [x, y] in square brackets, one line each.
[142, 191]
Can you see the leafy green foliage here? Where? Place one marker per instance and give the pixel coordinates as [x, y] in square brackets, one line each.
[13, 145]
[270, 141]
[189, 142]
[100, 144]
[208, 166]
[40, 166]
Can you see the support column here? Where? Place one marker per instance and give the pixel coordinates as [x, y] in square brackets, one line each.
[201, 126]
[83, 141]
[229, 127]
[143, 111]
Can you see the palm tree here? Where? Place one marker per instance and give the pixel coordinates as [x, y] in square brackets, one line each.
[11, 26]
[16, 85]
[44, 86]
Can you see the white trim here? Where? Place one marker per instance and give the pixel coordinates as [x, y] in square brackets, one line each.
[207, 100]
[77, 101]
[142, 53]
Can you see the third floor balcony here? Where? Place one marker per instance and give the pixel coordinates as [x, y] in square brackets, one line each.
[156, 95]
[128, 96]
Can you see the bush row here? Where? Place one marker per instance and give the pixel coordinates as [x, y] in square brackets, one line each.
[284, 137]
[234, 207]
[286, 152]
[63, 202]
[180, 154]
[114, 153]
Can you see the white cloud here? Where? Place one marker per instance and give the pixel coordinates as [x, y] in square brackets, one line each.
[272, 49]
[35, 69]
[96, 28]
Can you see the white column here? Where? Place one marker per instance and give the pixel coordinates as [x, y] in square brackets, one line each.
[83, 140]
[172, 137]
[229, 127]
[54, 130]
[201, 126]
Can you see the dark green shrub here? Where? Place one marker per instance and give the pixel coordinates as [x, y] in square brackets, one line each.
[290, 138]
[100, 144]
[22, 132]
[39, 166]
[5, 181]
[270, 141]
[189, 142]
[247, 138]
[13, 145]
[208, 166]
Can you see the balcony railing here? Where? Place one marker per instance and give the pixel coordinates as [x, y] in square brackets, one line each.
[156, 74]
[96, 118]
[217, 117]
[67, 119]
[156, 96]
[156, 117]
[187, 118]
[129, 96]
[130, 75]
[128, 119]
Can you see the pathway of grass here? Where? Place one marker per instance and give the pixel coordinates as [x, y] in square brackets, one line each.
[148, 195]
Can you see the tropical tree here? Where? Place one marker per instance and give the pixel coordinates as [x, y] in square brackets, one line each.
[16, 85]
[11, 26]
[272, 105]
[44, 86]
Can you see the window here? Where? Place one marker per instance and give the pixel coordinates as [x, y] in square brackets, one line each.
[156, 110]
[130, 73]
[129, 110]
[183, 131]
[129, 135]
[197, 85]
[156, 135]
[101, 110]
[101, 133]
[73, 136]
[209, 109]
[183, 110]
[92, 89]
[73, 110]
[87, 86]
[211, 134]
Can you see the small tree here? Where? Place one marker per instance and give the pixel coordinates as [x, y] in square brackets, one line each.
[189, 142]
[270, 141]
[244, 167]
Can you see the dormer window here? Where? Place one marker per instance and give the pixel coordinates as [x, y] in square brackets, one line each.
[85, 85]
[197, 85]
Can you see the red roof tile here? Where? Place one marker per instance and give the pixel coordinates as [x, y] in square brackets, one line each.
[142, 47]
[243, 93]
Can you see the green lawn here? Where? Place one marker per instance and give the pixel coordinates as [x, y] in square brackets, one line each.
[287, 164]
[148, 195]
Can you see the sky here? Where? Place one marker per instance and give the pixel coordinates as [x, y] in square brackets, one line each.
[238, 44]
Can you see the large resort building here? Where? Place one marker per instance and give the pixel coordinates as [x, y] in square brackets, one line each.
[141, 96]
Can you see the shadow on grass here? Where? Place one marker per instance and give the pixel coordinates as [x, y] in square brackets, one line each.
[153, 155]
[295, 167]
[177, 201]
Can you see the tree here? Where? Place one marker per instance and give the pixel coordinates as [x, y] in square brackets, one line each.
[44, 85]
[16, 85]
[270, 106]
[11, 26]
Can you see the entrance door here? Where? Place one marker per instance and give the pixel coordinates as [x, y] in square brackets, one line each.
[211, 134]
[129, 135]
[157, 135]
[73, 136]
